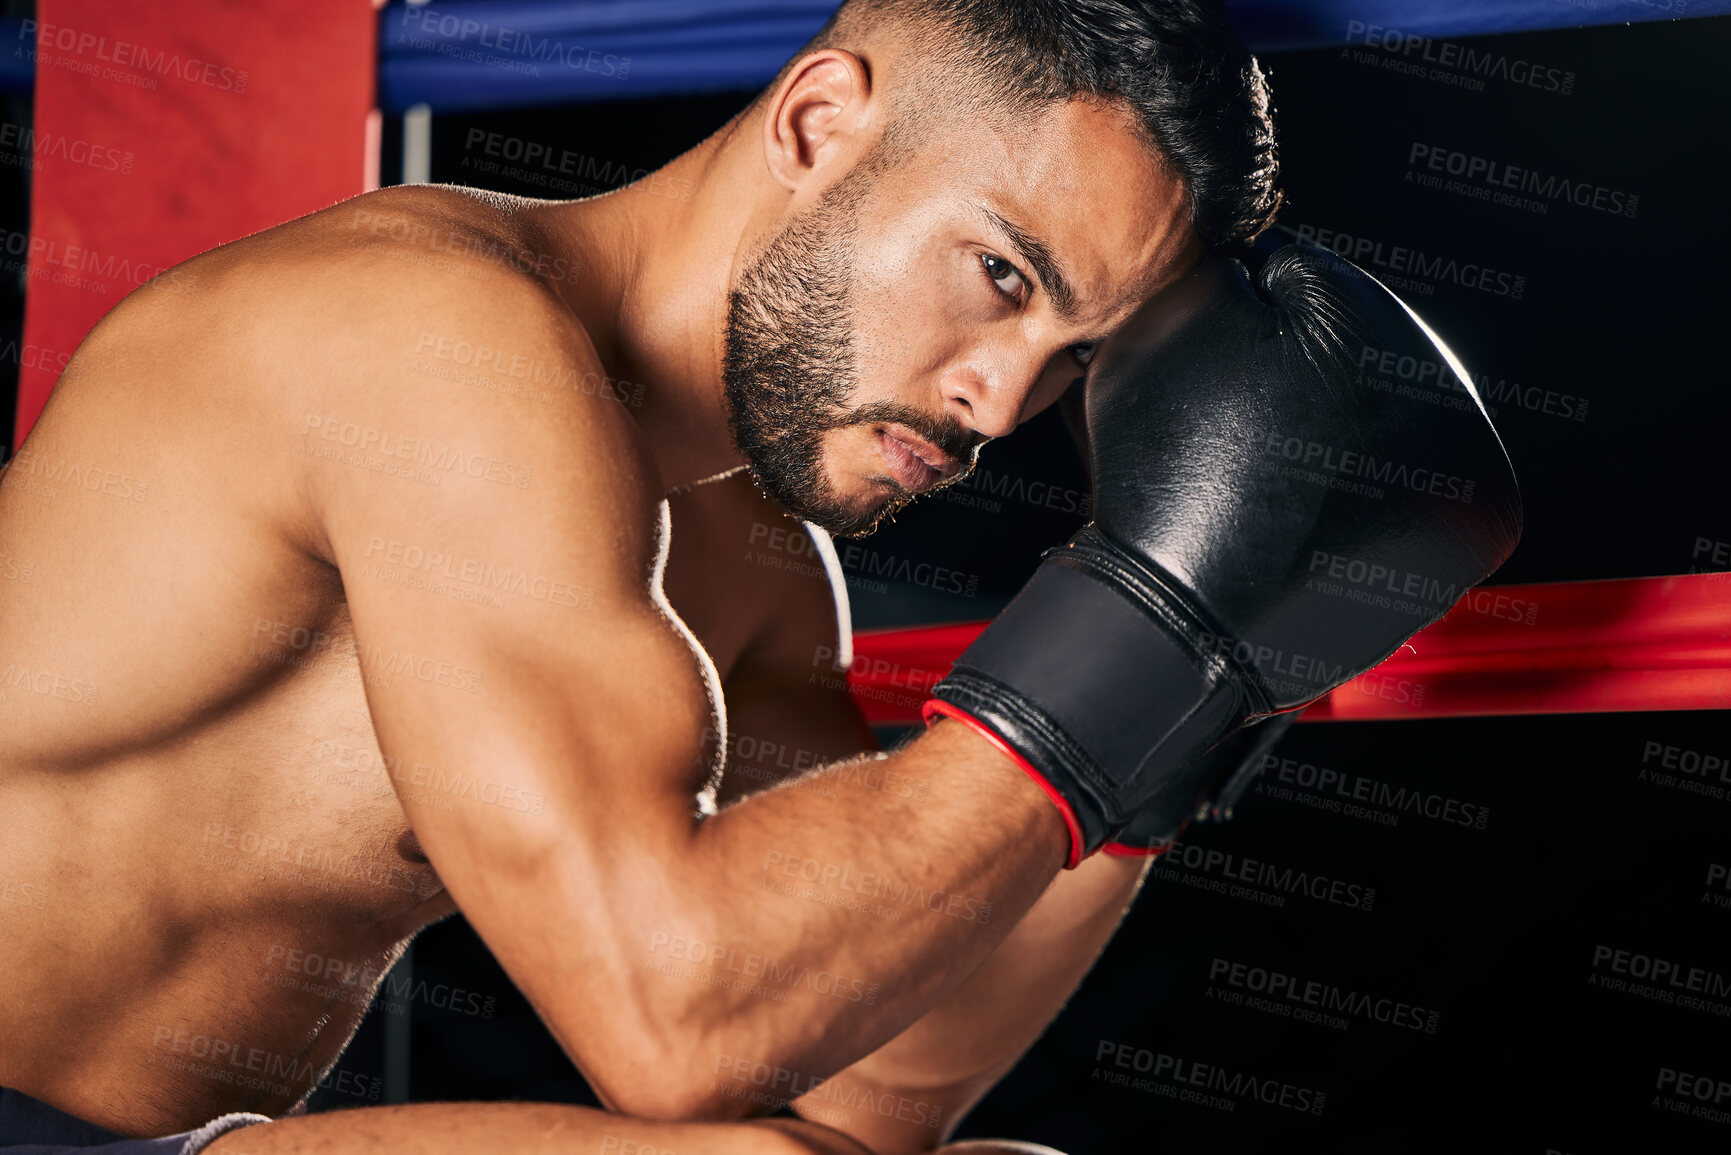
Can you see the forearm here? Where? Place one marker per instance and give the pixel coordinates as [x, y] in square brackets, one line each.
[802, 928]
[911, 1093]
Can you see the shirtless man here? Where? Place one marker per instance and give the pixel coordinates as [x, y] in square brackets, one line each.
[374, 515]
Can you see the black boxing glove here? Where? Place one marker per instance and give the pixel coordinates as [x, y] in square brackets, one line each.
[1226, 772]
[1239, 460]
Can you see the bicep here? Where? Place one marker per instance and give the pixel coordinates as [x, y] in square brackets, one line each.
[528, 684]
[501, 658]
[501, 578]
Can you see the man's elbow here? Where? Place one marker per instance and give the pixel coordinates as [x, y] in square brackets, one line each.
[665, 1100]
[685, 1080]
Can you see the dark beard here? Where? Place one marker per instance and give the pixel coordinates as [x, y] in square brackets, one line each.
[789, 365]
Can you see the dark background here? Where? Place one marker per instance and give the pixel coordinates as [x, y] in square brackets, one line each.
[1496, 929]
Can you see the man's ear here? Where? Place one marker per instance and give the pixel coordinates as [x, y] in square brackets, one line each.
[817, 116]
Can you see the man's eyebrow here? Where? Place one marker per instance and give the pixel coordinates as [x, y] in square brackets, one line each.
[1037, 256]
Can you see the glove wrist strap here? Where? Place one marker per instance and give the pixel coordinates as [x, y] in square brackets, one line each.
[1102, 698]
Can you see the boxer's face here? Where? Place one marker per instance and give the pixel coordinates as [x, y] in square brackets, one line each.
[908, 316]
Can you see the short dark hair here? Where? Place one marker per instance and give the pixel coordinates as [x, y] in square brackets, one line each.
[1177, 65]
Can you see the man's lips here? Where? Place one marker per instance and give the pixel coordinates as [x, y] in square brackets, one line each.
[913, 461]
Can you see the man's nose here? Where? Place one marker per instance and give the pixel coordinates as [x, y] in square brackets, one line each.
[989, 405]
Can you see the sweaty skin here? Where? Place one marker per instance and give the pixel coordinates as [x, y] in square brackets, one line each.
[333, 626]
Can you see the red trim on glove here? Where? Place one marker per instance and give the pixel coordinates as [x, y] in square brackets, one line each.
[935, 707]
[1119, 850]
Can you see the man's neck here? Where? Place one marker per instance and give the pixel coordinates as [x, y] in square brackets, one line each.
[656, 262]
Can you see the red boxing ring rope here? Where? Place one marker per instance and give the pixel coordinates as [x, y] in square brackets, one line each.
[1592, 647]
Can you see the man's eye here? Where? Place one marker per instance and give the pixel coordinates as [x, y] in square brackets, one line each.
[1003, 274]
[1084, 353]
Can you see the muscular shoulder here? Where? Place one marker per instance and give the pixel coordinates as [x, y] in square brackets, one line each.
[415, 255]
[470, 234]
[420, 277]
[428, 322]
[420, 338]
[427, 280]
